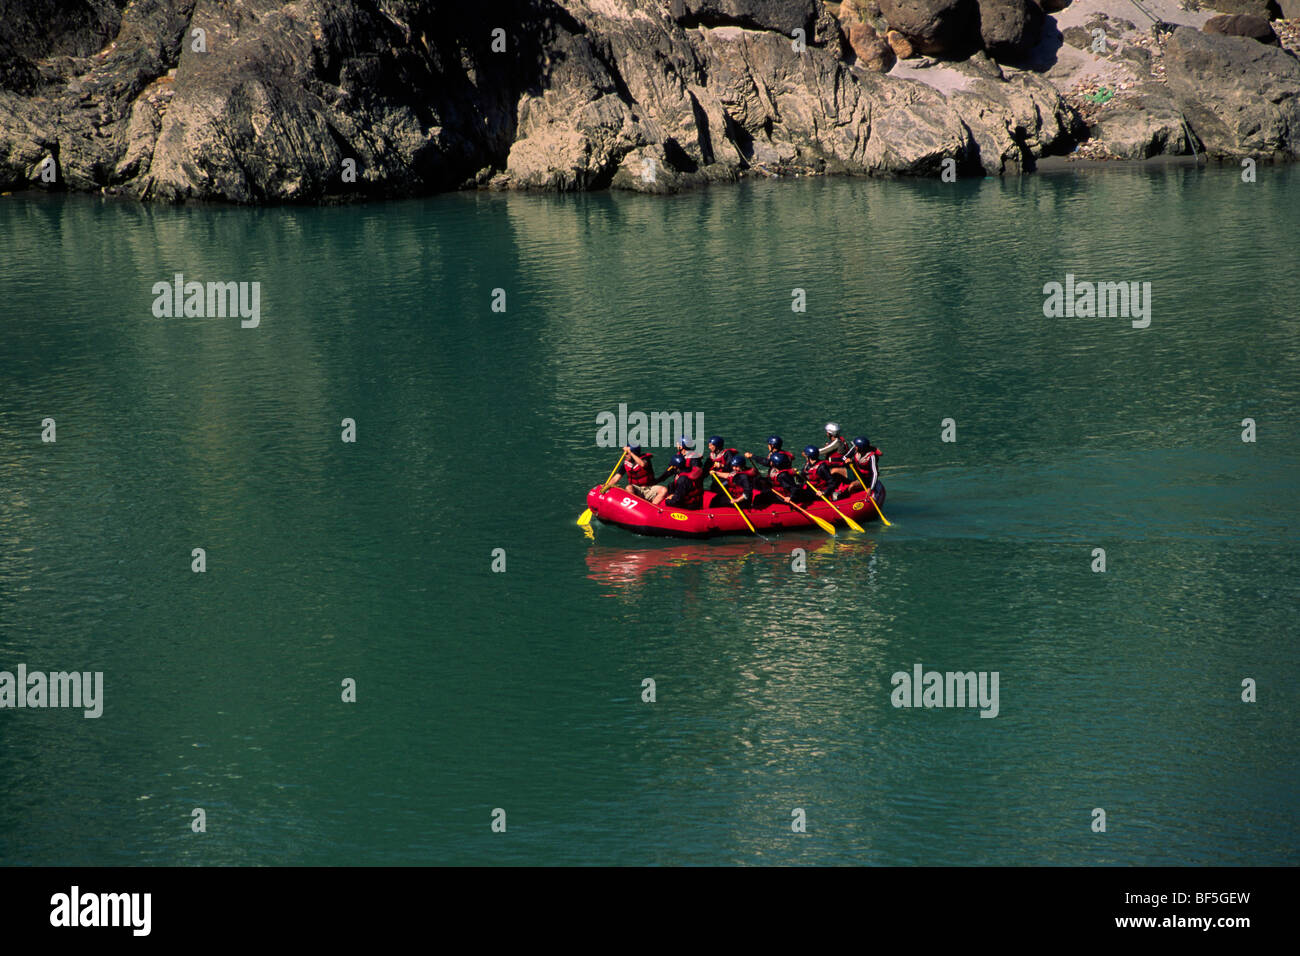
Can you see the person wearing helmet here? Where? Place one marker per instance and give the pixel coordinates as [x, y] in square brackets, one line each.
[638, 469]
[783, 479]
[688, 485]
[817, 474]
[685, 448]
[719, 455]
[741, 479]
[773, 447]
[834, 450]
[865, 457]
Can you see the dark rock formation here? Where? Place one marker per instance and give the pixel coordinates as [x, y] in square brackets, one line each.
[1268, 9]
[1242, 25]
[1240, 97]
[1010, 28]
[784, 16]
[947, 28]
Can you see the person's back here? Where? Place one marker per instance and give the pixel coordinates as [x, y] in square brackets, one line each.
[688, 485]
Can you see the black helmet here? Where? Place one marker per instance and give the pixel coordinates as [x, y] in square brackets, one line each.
[862, 444]
[779, 459]
[774, 441]
[810, 451]
[737, 462]
[717, 441]
[636, 449]
[677, 461]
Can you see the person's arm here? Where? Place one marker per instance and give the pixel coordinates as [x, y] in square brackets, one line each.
[631, 454]
[835, 443]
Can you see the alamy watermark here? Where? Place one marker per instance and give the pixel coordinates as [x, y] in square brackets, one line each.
[653, 430]
[75, 909]
[1105, 300]
[923, 688]
[215, 300]
[55, 689]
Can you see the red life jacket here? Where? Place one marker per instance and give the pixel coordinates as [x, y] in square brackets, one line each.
[642, 474]
[694, 496]
[734, 486]
[784, 480]
[719, 461]
[818, 474]
[864, 461]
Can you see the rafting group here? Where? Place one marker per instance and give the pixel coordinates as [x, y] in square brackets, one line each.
[769, 488]
[824, 469]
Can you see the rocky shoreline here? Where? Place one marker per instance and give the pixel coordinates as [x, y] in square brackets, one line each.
[254, 101]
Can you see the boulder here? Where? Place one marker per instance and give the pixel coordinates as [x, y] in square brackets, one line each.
[872, 51]
[901, 46]
[1141, 126]
[944, 28]
[1015, 116]
[1242, 25]
[1010, 28]
[1268, 9]
[1240, 97]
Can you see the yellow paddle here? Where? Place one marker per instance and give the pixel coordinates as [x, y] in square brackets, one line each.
[733, 503]
[824, 525]
[852, 524]
[870, 496]
[584, 519]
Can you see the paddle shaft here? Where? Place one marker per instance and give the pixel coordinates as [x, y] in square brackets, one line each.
[739, 510]
[824, 525]
[851, 523]
[870, 496]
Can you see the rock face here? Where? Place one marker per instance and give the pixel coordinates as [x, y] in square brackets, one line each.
[329, 100]
[1240, 97]
[1141, 126]
[1013, 115]
[947, 28]
[1242, 25]
[1010, 28]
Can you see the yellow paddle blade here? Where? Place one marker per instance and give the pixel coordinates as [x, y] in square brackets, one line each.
[821, 523]
[584, 519]
[887, 522]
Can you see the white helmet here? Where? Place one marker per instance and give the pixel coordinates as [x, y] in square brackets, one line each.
[832, 428]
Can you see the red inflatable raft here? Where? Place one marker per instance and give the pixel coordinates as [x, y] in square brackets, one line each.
[718, 516]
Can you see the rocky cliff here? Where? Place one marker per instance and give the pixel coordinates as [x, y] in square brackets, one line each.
[316, 100]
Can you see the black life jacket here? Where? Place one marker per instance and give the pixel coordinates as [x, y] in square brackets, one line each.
[643, 474]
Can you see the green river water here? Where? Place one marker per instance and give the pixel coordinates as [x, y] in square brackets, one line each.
[476, 430]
